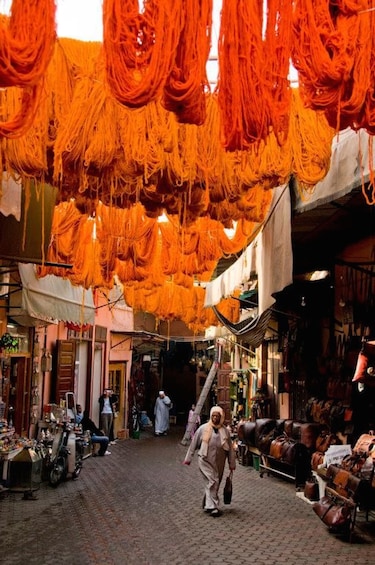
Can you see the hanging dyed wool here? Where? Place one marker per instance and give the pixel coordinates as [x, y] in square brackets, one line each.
[253, 88]
[27, 38]
[331, 51]
[311, 138]
[26, 42]
[139, 47]
[25, 152]
[65, 225]
[277, 49]
[367, 119]
[187, 84]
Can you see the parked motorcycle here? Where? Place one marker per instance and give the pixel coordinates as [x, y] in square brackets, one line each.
[67, 449]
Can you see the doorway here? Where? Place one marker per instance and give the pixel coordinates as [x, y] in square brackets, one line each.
[116, 382]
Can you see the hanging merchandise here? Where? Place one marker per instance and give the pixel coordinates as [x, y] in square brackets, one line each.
[46, 362]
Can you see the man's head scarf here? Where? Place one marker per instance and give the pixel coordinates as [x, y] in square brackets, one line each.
[219, 410]
[209, 426]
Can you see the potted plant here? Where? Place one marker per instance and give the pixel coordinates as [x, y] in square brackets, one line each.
[9, 343]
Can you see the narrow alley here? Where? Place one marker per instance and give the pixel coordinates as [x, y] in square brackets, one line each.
[141, 505]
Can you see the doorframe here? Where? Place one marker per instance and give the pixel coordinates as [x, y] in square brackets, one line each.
[122, 406]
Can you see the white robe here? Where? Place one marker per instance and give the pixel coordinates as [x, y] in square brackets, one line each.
[161, 412]
[211, 463]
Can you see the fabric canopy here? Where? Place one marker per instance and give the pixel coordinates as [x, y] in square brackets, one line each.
[269, 256]
[50, 299]
[251, 329]
[350, 166]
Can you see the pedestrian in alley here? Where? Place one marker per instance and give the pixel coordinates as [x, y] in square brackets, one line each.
[79, 414]
[106, 409]
[214, 445]
[114, 403]
[97, 435]
[162, 407]
[194, 421]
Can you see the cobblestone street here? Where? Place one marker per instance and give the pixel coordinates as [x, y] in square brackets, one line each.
[141, 506]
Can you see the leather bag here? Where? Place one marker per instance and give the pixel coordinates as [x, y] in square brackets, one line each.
[311, 490]
[324, 440]
[364, 444]
[264, 442]
[353, 463]
[356, 488]
[289, 451]
[277, 445]
[317, 459]
[228, 489]
[340, 482]
[334, 515]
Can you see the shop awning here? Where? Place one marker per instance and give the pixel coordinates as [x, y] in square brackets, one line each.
[252, 329]
[269, 257]
[351, 159]
[50, 299]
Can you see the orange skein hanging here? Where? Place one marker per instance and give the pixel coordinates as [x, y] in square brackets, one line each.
[26, 42]
[27, 39]
[184, 91]
[331, 51]
[253, 86]
[139, 47]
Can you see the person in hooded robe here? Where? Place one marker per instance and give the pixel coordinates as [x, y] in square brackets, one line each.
[215, 447]
[161, 412]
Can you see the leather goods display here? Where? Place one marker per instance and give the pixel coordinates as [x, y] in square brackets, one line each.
[263, 426]
[333, 514]
[311, 490]
[264, 442]
[324, 440]
[361, 368]
[353, 462]
[246, 432]
[364, 444]
[367, 471]
[291, 450]
[308, 435]
[317, 459]
[276, 446]
[340, 482]
[288, 427]
[228, 489]
[349, 485]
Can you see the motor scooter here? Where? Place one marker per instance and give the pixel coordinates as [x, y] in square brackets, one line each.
[67, 448]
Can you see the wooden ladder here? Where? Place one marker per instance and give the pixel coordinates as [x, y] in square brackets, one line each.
[204, 393]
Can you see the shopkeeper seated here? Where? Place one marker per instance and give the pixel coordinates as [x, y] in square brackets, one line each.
[97, 436]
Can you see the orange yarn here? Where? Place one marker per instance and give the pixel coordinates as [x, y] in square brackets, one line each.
[26, 42]
[184, 91]
[253, 72]
[139, 47]
[332, 53]
[27, 38]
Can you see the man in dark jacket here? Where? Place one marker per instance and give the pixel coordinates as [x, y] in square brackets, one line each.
[97, 436]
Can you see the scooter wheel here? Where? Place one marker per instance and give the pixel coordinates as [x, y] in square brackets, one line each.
[56, 475]
[76, 472]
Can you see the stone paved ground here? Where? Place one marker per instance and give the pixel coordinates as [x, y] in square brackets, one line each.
[141, 506]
